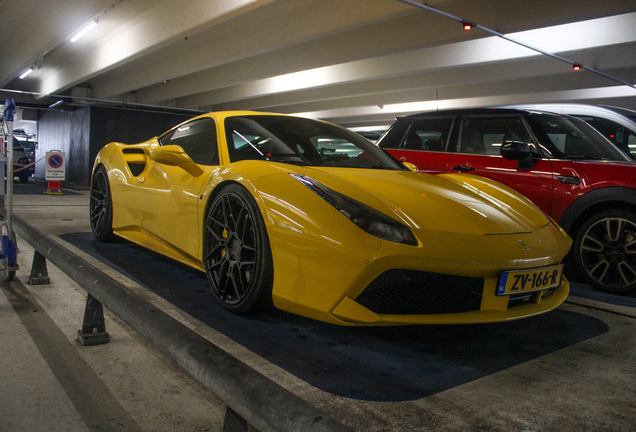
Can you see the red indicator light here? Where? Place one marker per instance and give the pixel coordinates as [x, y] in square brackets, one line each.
[576, 67]
[468, 26]
[269, 155]
[612, 136]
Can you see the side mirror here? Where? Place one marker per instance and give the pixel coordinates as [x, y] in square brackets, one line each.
[519, 151]
[411, 167]
[174, 155]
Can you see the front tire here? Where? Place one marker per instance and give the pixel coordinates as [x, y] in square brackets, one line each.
[605, 251]
[101, 206]
[236, 252]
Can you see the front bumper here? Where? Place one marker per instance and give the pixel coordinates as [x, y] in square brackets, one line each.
[473, 308]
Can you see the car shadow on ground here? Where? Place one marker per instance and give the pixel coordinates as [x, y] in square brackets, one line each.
[366, 363]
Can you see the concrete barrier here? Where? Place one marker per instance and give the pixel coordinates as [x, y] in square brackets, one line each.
[261, 402]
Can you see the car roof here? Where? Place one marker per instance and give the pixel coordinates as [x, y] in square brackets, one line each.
[474, 111]
[623, 116]
[622, 111]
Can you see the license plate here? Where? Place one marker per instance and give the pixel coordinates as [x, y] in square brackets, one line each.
[522, 281]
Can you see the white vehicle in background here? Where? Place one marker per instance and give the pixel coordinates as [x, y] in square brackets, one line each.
[22, 163]
[23, 155]
[616, 124]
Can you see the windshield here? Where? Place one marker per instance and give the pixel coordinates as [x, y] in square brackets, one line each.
[302, 142]
[571, 138]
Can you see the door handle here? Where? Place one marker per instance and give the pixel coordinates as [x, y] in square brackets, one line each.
[463, 168]
[569, 179]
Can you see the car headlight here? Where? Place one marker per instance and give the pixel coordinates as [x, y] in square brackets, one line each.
[370, 220]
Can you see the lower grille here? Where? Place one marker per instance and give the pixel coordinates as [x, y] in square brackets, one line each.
[411, 292]
[515, 300]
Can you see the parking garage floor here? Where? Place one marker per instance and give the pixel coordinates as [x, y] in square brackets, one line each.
[569, 370]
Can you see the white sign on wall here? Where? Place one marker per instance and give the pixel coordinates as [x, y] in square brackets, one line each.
[55, 166]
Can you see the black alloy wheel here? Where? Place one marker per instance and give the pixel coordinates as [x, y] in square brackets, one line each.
[101, 206]
[236, 252]
[605, 251]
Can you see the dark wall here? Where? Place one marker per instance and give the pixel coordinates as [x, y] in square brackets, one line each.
[77, 170]
[83, 132]
[126, 126]
[54, 133]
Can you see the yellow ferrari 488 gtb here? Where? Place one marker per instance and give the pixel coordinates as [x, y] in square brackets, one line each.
[316, 220]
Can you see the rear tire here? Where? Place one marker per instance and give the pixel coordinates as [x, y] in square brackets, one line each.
[101, 206]
[236, 252]
[605, 251]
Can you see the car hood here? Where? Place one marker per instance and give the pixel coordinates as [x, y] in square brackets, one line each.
[452, 203]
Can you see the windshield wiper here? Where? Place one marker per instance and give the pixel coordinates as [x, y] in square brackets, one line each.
[290, 158]
[333, 164]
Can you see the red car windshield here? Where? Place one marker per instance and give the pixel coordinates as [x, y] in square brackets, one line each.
[571, 138]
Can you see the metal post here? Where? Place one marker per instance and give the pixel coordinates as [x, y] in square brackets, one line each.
[9, 250]
[39, 273]
[233, 422]
[93, 330]
[8, 199]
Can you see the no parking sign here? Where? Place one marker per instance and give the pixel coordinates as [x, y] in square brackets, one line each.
[55, 166]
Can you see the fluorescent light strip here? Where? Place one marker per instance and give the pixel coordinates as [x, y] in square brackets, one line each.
[26, 72]
[84, 30]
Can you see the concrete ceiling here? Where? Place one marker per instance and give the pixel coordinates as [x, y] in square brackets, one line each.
[354, 62]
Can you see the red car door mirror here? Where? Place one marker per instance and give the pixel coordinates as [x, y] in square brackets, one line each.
[517, 150]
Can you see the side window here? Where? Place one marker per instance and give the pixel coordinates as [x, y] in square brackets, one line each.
[429, 134]
[485, 135]
[198, 140]
[619, 135]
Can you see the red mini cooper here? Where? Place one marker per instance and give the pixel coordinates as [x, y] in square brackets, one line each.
[560, 163]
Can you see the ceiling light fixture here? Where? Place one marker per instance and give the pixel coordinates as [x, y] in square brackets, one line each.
[58, 103]
[509, 39]
[88, 27]
[26, 72]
